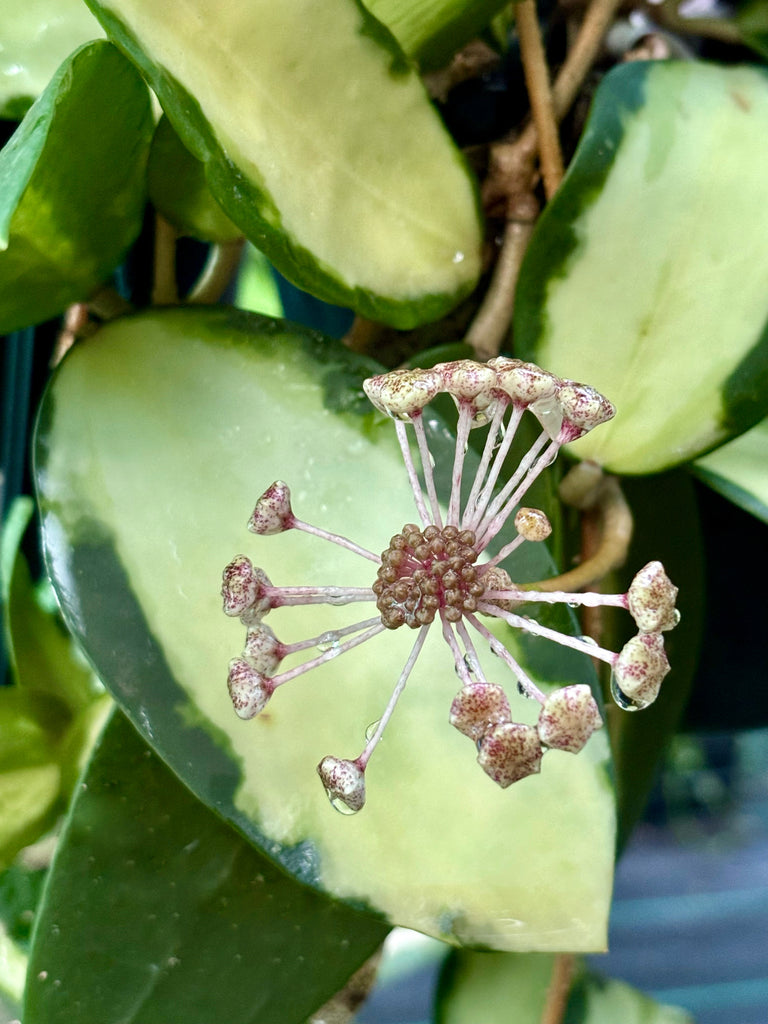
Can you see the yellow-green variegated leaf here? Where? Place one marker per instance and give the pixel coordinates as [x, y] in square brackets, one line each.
[647, 275]
[153, 443]
[36, 37]
[431, 31]
[739, 470]
[319, 142]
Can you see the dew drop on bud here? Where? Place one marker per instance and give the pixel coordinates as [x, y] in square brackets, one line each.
[625, 702]
[338, 805]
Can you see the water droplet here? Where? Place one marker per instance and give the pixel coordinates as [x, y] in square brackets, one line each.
[522, 689]
[573, 604]
[589, 640]
[42, 975]
[328, 641]
[471, 663]
[371, 729]
[625, 702]
[458, 257]
[432, 460]
[338, 805]
[676, 615]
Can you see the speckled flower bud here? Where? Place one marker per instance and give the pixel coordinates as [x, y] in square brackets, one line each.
[273, 513]
[651, 599]
[402, 394]
[249, 689]
[583, 408]
[525, 383]
[509, 752]
[242, 590]
[344, 783]
[532, 524]
[497, 578]
[468, 381]
[568, 718]
[262, 649]
[477, 708]
[639, 671]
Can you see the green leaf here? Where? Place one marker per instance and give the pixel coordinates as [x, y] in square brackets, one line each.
[156, 911]
[178, 189]
[72, 184]
[433, 30]
[319, 142]
[48, 717]
[751, 19]
[37, 36]
[489, 987]
[152, 445]
[738, 471]
[646, 274]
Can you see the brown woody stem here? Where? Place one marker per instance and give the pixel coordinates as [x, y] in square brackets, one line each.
[559, 987]
[220, 268]
[540, 95]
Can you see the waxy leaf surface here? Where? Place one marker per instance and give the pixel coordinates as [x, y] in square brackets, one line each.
[153, 443]
[157, 911]
[319, 142]
[739, 470]
[647, 276]
[72, 185]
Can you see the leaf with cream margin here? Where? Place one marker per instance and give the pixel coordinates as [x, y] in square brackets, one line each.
[320, 144]
[72, 185]
[647, 275]
[739, 470]
[152, 444]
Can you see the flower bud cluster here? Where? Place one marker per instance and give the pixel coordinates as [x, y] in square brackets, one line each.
[444, 571]
[509, 751]
[566, 409]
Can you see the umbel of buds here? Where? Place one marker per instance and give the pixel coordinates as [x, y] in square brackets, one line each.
[441, 570]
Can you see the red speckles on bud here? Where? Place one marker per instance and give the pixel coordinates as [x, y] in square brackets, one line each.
[477, 708]
[262, 649]
[249, 689]
[532, 524]
[272, 513]
[651, 600]
[402, 394]
[568, 718]
[525, 383]
[344, 783]
[471, 382]
[639, 671]
[243, 589]
[509, 752]
[583, 408]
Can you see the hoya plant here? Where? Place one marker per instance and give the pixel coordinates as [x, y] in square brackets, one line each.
[366, 370]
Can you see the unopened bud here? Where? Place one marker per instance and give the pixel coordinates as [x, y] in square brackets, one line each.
[532, 524]
[651, 599]
[249, 689]
[262, 649]
[272, 513]
[477, 708]
[568, 718]
[583, 408]
[525, 383]
[344, 783]
[402, 394]
[509, 752]
[639, 671]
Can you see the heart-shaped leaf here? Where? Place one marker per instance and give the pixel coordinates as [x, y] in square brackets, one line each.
[153, 442]
[156, 911]
[320, 144]
[72, 185]
[648, 273]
